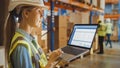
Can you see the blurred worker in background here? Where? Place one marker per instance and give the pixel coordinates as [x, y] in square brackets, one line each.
[22, 49]
[101, 34]
[109, 31]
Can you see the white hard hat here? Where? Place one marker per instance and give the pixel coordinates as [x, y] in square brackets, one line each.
[15, 3]
[108, 19]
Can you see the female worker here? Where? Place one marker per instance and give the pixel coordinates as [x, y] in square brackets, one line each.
[109, 31]
[23, 50]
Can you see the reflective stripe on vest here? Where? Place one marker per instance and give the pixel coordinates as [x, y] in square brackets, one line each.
[20, 42]
[31, 49]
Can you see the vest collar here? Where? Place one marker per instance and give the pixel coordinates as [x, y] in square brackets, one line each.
[28, 36]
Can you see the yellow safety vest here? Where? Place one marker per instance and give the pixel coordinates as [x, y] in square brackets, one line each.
[109, 28]
[32, 50]
[101, 29]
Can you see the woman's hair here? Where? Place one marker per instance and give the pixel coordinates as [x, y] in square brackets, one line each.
[99, 23]
[9, 31]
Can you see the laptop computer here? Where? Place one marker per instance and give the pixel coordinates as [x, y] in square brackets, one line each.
[80, 41]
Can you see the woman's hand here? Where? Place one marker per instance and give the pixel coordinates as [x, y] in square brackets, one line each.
[55, 55]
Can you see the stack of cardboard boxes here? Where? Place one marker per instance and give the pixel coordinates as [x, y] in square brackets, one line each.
[95, 44]
[79, 17]
[87, 1]
[94, 2]
[60, 32]
[114, 36]
[85, 17]
[95, 18]
[75, 17]
[69, 29]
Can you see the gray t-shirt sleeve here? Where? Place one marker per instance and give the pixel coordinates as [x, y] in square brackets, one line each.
[20, 58]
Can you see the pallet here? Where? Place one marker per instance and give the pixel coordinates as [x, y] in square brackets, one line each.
[64, 62]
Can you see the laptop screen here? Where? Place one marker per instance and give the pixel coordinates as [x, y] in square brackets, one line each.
[83, 35]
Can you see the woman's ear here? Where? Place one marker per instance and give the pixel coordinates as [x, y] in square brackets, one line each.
[25, 14]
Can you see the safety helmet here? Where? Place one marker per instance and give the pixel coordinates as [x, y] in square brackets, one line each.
[15, 3]
[108, 19]
[98, 20]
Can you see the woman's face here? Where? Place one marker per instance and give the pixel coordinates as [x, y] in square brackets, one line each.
[35, 17]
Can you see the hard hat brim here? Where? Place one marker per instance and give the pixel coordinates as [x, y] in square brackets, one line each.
[15, 4]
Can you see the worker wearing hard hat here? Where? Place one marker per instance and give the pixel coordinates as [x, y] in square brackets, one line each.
[24, 51]
[109, 31]
[101, 34]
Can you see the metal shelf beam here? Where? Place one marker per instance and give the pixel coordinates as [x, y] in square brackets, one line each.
[52, 26]
[112, 1]
[112, 16]
[73, 5]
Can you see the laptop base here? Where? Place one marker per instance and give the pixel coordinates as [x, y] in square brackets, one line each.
[67, 58]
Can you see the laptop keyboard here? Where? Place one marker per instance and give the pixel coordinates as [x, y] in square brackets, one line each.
[73, 50]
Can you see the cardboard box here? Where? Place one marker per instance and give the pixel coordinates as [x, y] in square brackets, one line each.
[94, 2]
[79, 17]
[98, 3]
[95, 18]
[85, 17]
[95, 45]
[60, 33]
[114, 36]
[75, 17]
[69, 28]
[88, 1]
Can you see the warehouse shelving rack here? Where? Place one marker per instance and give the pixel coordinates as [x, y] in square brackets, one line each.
[83, 6]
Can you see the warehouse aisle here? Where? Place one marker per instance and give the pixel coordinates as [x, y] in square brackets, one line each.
[111, 59]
